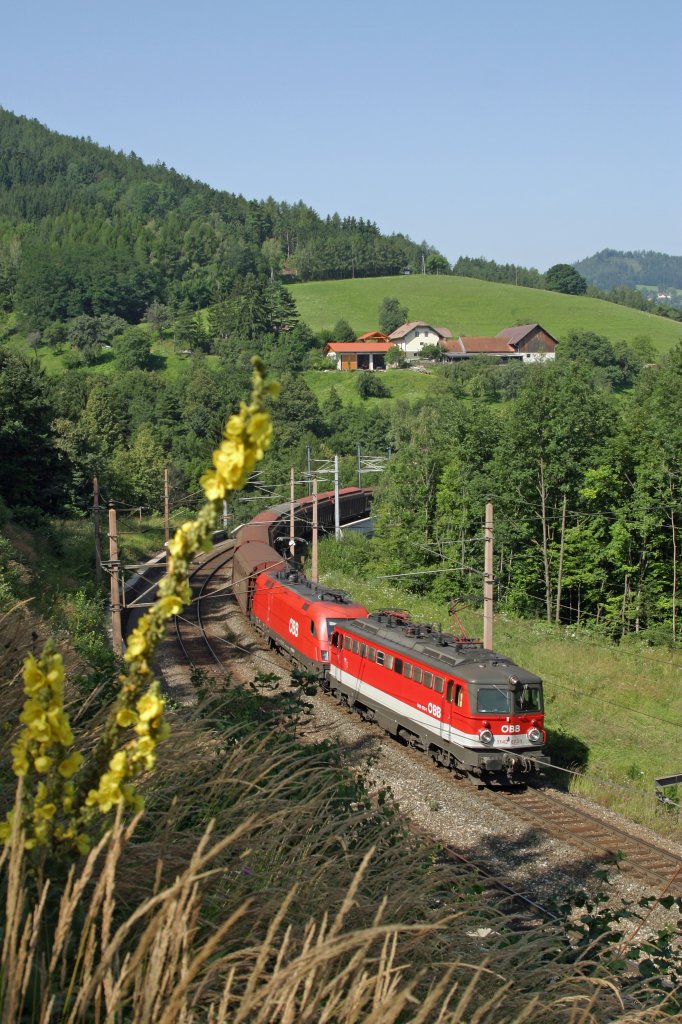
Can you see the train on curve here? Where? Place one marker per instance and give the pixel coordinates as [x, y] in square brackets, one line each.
[471, 710]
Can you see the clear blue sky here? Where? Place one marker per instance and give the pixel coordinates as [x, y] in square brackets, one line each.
[529, 132]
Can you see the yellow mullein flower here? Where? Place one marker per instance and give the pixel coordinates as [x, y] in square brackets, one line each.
[125, 717]
[118, 764]
[20, 763]
[136, 645]
[34, 680]
[169, 606]
[59, 723]
[149, 707]
[43, 763]
[70, 765]
[106, 796]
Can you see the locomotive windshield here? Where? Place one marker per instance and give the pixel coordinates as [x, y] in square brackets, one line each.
[527, 698]
[492, 701]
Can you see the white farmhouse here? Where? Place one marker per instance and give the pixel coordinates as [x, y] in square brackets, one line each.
[412, 337]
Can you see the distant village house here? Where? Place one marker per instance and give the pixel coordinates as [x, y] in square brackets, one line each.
[529, 342]
[368, 352]
[413, 337]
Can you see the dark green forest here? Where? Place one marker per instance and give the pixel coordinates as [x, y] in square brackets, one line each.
[87, 231]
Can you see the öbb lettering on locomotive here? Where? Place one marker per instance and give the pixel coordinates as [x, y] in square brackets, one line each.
[472, 710]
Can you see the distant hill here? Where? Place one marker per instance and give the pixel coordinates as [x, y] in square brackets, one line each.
[86, 230]
[470, 306]
[612, 269]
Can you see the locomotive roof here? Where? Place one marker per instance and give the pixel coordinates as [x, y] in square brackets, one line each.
[438, 649]
[294, 580]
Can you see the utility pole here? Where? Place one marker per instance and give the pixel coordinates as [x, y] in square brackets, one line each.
[337, 513]
[116, 632]
[166, 511]
[96, 524]
[225, 519]
[313, 566]
[309, 462]
[488, 579]
[561, 562]
[359, 466]
[292, 535]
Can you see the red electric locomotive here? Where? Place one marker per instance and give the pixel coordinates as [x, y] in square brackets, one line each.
[299, 616]
[469, 708]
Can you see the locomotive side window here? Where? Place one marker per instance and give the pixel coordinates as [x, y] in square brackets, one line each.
[398, 665]
[492, 700]
[380, 657]
[371, 653]
[346, 643]
[389, 661]
[407, 670]
[448, 695]
[428, 679]
[363, 650]
[417, 674]
[438, 684]
[356, 647]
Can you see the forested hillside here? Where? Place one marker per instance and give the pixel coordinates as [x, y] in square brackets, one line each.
[612, 269]
[85, 230]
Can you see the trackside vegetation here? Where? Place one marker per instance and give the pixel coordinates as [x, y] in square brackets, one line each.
[241, 875]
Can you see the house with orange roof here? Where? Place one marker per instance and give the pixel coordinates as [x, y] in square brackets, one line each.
[368, 352]
[530, 343]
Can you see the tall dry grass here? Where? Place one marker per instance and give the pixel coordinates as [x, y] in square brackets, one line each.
[262, 885]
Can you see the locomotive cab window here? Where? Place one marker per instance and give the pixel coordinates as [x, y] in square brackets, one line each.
[459, 695]
[335, 639]
[312, 628]
[448, 693]
[492, 700]
[527, 698]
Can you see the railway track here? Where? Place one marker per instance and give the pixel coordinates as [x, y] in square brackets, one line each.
[202, 646]
[604, 840]
[210, 579]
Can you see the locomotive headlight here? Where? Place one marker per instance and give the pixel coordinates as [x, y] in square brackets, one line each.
[534, 735]
[486, 737]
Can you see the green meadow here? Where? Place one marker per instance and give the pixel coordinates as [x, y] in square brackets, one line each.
[471, 307]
